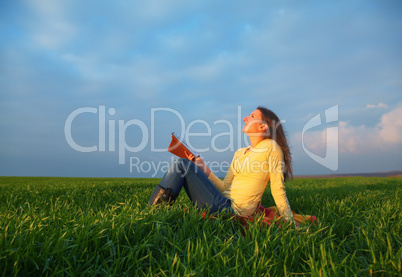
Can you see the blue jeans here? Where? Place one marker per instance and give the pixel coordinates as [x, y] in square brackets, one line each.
[200, 190]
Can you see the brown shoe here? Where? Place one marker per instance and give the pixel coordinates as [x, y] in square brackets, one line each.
[161, 195]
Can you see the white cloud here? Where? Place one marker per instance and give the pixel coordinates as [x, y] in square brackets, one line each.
[379, 105]
[357, 139]
[391, 126]
[384, 136]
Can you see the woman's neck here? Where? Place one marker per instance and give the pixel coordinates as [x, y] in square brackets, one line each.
[255, 140]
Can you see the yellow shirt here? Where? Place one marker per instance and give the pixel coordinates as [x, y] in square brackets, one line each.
[248, 176]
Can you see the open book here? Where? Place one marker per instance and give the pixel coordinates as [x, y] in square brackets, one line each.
[178, 148]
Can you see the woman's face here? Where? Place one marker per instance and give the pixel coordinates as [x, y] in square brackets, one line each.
[254, 124]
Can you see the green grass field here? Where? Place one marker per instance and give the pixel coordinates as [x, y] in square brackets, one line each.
[103, 227]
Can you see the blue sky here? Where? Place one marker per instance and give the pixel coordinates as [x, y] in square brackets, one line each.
[201, 63]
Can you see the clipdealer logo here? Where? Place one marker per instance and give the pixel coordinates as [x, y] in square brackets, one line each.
[330, 160]
[147, 135]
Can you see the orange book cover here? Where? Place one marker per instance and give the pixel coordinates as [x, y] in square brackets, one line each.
[179, 148]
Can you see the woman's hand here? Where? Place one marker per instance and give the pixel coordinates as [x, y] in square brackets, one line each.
[200, 163]
[189, 156]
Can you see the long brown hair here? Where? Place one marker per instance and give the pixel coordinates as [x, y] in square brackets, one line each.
[275, 132]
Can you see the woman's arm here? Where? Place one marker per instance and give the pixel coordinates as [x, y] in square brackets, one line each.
[200, 163]
[278, 188]
[218, 183]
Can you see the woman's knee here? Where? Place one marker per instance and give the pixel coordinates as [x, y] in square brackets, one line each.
[180, 165]
[183, 162]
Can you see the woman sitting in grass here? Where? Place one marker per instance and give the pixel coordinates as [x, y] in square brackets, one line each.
[267, 158]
